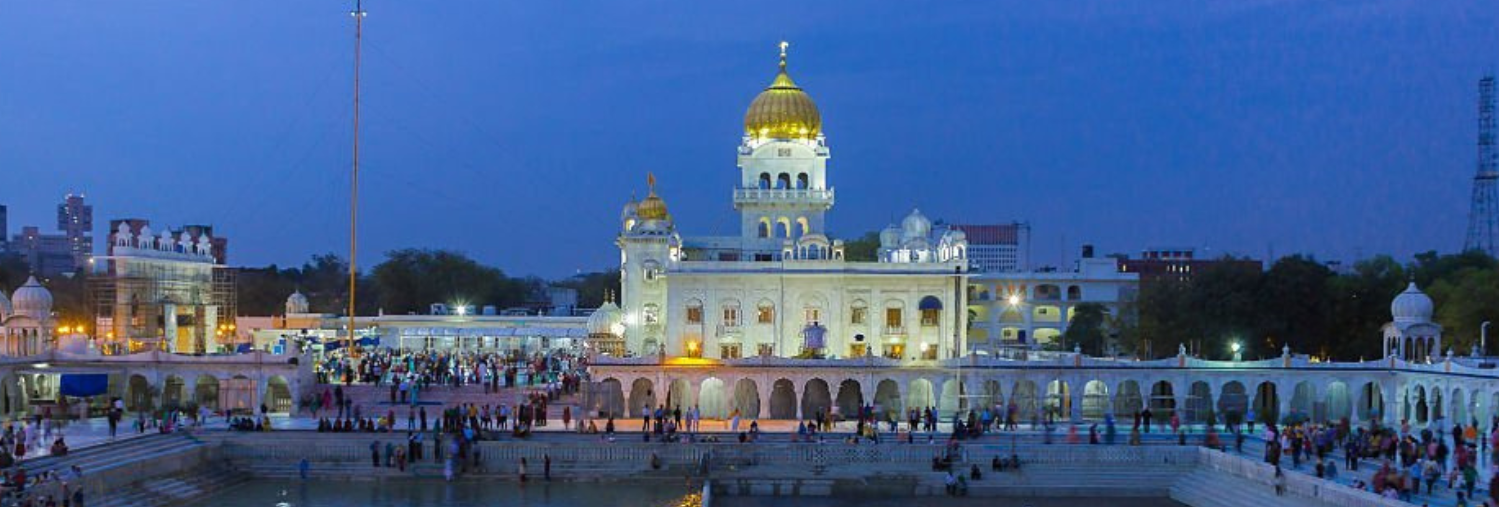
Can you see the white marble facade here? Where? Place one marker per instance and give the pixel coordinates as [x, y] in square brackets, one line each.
[763, 291]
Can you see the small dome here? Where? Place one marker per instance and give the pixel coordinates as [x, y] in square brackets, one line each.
[652, 208]
[915, 226]
[783, 110]
[1411, 306]
[890, 237]
[604, 319]
[297, 303]
[631, 209]
[32, 300]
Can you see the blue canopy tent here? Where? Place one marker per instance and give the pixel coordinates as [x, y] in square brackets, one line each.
[84, 384]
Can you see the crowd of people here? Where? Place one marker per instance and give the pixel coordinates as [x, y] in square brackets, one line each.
[408, 372]
[1411, 463]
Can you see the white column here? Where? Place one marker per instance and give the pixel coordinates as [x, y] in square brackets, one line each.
[169, 326]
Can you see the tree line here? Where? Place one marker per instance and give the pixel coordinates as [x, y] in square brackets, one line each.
[1304, 303]
[408, 281]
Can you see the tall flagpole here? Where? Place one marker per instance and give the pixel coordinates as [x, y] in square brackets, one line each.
[358, 15]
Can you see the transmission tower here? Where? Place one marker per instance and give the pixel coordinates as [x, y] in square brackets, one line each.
[1483, 214]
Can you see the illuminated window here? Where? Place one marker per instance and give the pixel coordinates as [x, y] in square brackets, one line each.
[694, 314]
[858, 315]
[766, 314]
[893, 318]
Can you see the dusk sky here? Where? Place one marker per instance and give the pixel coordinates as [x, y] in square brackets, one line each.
[514, 131]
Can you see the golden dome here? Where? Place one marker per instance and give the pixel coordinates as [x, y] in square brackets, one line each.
[783, 110]
[652, 208]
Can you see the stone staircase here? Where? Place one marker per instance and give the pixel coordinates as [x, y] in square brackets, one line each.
[1074, 479]
[123, 453]
[1209, 489]
[175, 490]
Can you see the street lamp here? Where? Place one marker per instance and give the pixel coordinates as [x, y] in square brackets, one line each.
[1235, 348]
[1483, 338]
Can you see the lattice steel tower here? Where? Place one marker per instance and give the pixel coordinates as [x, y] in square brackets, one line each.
[1483, 215]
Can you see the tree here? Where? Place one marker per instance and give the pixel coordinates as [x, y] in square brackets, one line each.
[410, 280]
[1088, 329]
[1464, 300]
[864, 249]
[592, 286]
[1293, 304]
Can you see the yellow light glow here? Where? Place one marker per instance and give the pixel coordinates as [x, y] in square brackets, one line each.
[1014, 299]
[691, 361]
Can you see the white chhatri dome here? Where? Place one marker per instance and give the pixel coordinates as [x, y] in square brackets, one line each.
[297, 303]
[32, 300]
[915, 226]
[604, 319]
[890, 237]
[1411, 306]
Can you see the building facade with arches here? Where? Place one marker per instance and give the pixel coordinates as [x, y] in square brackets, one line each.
[783, 287]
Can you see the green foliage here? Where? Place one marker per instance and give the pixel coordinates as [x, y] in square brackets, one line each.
[1088, 328]
[1300, 302]
[407, 281]
[864, 249]
[411, 280]
[592, 286]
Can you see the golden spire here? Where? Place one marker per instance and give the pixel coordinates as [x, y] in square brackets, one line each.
[783, 110]
[652, 208]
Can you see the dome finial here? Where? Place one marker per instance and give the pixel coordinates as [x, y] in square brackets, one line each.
[784, 45]
[650, 182]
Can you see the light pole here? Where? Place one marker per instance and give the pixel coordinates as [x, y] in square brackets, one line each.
[1483, 338]
[1235, 348]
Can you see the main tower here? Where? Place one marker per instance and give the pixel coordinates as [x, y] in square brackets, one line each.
[783, 190]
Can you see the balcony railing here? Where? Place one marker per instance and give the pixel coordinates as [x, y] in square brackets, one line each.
[743, 195]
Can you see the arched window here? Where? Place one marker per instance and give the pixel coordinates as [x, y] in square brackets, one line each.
[805, 227]
[731, 313]
[1074, 293]
[785, 228]
[783, 181]
[694, 312]
[858, 313]
[931, 311]
[764, 228]
[765, 313]
[801, 181]
[651, 314]
[764, 180]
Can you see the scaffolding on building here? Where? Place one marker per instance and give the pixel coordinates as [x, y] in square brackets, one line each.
[130, 311]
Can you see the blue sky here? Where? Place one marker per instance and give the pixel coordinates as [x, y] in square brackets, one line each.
[513, 131]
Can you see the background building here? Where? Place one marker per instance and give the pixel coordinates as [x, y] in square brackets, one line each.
[997, 248]
[51, 255]
[161, 292]
[76, 221]
[1178, 264]
[4, 229]
[1032, 310]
